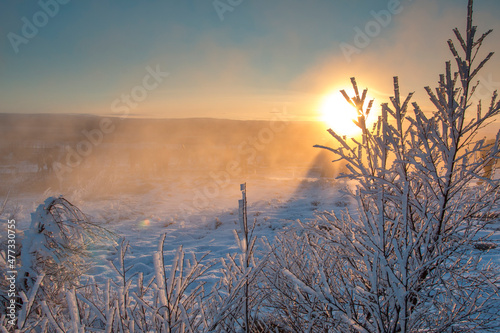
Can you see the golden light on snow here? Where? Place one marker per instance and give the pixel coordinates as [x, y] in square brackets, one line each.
[338, 114]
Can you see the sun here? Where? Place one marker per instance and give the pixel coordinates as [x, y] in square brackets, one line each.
[338, 114]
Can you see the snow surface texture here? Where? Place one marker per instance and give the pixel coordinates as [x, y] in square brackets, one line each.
[273, 203]
[142, 219]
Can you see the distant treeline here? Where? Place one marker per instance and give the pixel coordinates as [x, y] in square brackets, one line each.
[134, 142]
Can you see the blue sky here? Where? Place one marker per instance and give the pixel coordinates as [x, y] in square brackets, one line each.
[262, 55]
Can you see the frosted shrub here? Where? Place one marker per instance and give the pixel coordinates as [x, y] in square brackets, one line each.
[178, 294]
[298, 260]
[405, 261]
[235, 302]
[54, 299]
[54, 255]
[56, 244]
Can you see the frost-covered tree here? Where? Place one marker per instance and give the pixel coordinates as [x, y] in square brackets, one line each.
[57, 246]
[409, 258]
[55, 252]
[235, 301]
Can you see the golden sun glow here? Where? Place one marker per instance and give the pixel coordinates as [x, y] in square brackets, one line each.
[338, 114]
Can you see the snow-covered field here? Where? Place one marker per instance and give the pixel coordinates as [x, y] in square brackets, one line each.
[195, 209]
[179, 208]
[171, 206]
